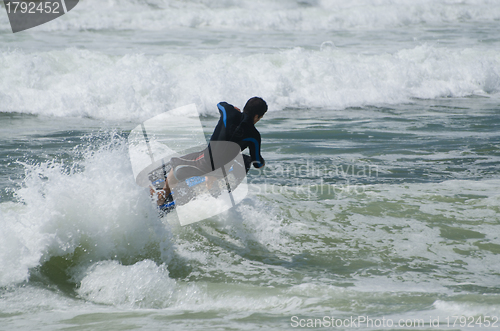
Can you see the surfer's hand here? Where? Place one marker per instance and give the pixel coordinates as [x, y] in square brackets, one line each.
[237, 109]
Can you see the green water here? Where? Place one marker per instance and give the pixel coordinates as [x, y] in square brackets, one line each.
[382, 213]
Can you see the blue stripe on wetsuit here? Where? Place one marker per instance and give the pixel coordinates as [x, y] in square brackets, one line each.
[224, 115]
[256, 143]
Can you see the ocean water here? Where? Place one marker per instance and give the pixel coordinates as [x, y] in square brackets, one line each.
[379, 207]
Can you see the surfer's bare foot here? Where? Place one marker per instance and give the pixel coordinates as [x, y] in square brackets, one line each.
[160, 195]
[161, 198]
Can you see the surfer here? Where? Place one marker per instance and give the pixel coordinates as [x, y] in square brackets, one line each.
[234, 126]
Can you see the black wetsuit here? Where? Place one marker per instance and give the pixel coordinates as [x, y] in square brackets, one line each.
[234, 132]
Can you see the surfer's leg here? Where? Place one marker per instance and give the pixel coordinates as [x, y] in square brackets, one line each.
[170, 181]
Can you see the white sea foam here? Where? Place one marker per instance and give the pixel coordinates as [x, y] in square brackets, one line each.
[446, 224]
[136, 87]
[308, 15]
[278, 253]
[454, 310]
[146, 285]
[98, 211]
[143, 284]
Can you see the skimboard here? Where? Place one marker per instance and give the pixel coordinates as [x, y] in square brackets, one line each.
[198, 187]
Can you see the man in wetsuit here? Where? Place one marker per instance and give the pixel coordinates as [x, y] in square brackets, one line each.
[233, 126]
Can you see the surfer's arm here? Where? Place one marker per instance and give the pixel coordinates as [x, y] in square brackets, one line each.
[254, 146]
[223, 108]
